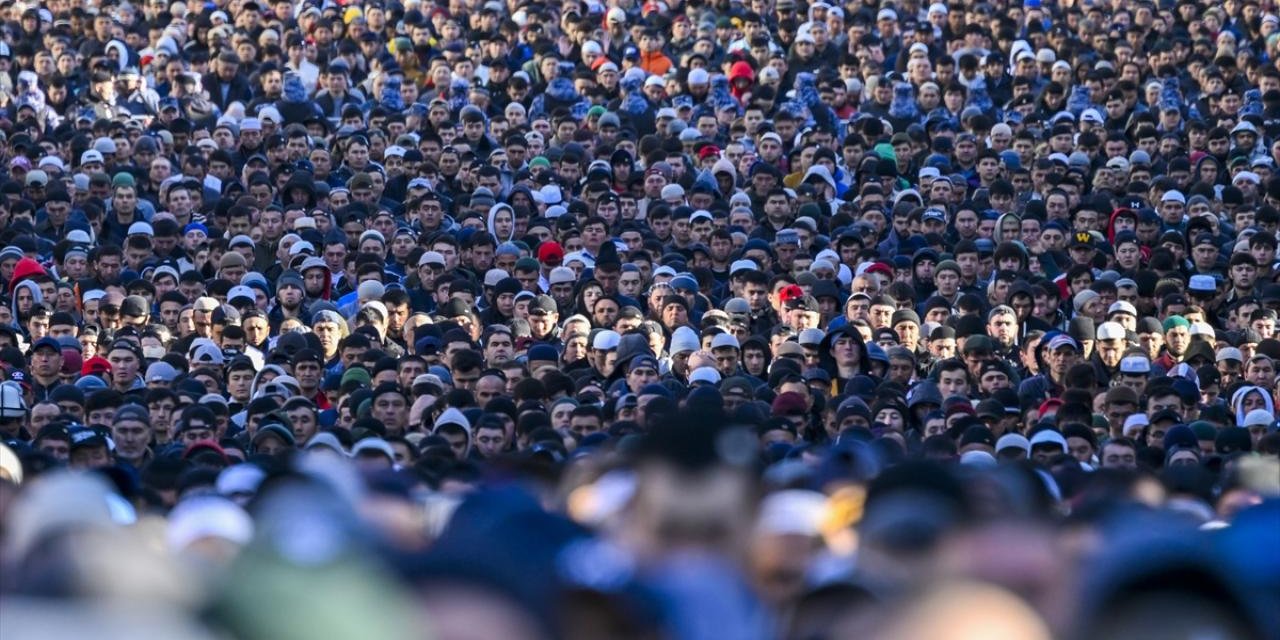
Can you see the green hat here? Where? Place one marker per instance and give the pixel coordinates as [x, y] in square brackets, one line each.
[358, 374]
[810, 209]
[540, 161]
[1100, 421]
[947, 264]
[1204, 430]
[1176, 321]
[596, 111]
[123, 179]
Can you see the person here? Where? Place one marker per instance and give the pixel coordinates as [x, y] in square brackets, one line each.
[655, 319]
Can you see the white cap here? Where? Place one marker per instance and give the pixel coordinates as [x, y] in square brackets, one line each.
[241, 291]
[606, 340]
[1110, 331]
[1247, 176]
[704, 374]
[141, 229]
[742, 265]
[1229, 353]
[493, 276]
[1202, 329]
[1049, 436]
[270, 113]
[1173, 195]
[1135, 365]
[52, 161]
[91, 155]
[1134, 423]
[1121, 306]
[549, 195]
[561, 275]
[1258, 417]
[1202, 283]
[1015, 441]
[431, 257]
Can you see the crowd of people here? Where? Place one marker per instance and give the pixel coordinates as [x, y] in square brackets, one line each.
[640, 319]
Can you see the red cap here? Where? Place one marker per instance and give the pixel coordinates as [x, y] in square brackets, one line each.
[94, 366]
[550, 253]
[1052, 404]
[204, 445]
[790, 292]
[708, 151]
[880, 267]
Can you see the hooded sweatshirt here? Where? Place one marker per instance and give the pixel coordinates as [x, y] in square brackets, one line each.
[493, 214]
[454, 416]
[1237, 401]
[13, 303]
[741, 71]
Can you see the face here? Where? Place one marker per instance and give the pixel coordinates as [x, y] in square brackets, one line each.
[1261, 371]
[131, 438]
[1119, 456]
[582, 426]
[124, 367]
[393, 410]
[953, 383]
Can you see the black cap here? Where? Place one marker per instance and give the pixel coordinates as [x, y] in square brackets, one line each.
[543, 304]
[455, 307]
[82, 437]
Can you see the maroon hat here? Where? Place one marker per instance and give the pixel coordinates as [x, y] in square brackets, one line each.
[789, 404]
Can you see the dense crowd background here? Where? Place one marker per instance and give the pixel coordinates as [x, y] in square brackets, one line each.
[697, 320]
